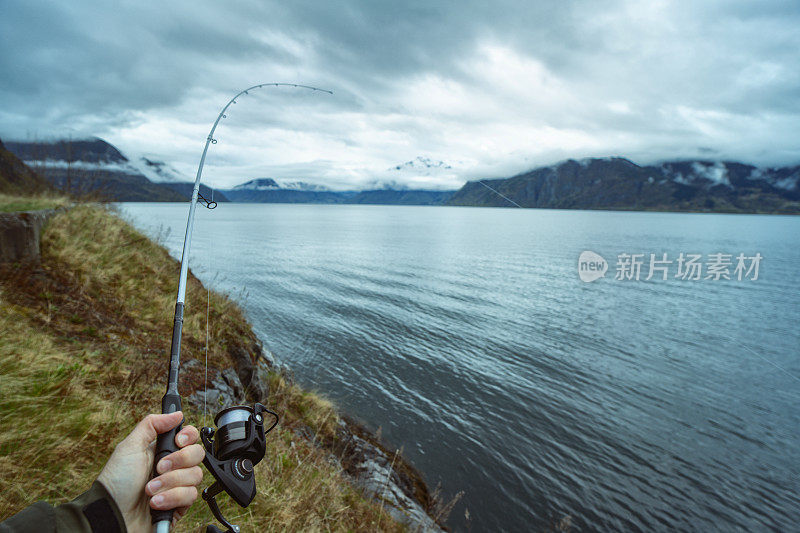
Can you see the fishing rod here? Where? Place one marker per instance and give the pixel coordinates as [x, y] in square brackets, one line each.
[240, 442]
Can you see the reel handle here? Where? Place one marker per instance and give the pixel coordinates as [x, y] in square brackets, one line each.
[165, 445]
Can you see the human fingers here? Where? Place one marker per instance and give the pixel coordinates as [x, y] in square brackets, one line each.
[183, 477]
[186, 436]
[191, 455]
[172, 498]
[150, 426]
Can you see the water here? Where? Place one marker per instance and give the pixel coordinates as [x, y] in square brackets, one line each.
[466, 336]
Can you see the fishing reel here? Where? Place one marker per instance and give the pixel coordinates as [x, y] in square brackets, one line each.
[232, 451]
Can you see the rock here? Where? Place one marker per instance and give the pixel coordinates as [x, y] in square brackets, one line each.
[304, 431]
[231, 379]
[20, 235]
[192, 365]
[247, 369]
[224, 390]
[269, 359]
[263, 369]
[374, 471]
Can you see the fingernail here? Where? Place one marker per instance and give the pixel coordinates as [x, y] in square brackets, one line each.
[154, 485]
[182, 439]
[164, 466]
[158, 500]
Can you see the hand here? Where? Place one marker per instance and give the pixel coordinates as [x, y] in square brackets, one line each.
[127, 472]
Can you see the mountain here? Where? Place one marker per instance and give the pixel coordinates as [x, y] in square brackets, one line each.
[258, 184]
[617, 183]
[267, 190]
[184, 189]
[402, 197]
[68, 150]
[95, 167]
[17, 178]
[422, 164]
[94, 154]
[109, 185]
[285, 196]
[158, 171]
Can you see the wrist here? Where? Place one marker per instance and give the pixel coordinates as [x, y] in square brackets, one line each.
[120, 518]
[95, 508]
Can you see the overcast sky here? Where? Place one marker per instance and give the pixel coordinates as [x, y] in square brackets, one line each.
[489, 88]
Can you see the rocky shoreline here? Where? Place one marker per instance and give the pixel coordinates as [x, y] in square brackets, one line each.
[370, 464]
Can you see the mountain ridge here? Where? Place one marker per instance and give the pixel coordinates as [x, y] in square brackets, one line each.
[618, 183]
[17, 178]
[92, 167]
[96, 166]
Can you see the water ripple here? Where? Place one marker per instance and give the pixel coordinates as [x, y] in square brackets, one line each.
[466, 335]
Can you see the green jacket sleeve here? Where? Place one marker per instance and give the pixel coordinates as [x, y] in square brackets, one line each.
[94, 511]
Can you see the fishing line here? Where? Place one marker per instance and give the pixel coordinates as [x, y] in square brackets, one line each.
[208, 311]
[208, 204]
[208, 308]
[752, 351]
[500, 194]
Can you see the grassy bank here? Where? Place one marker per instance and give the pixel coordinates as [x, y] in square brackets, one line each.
[83, 357]
[10, 203]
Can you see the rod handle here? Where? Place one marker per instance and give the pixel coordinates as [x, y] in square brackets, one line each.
[165, 445]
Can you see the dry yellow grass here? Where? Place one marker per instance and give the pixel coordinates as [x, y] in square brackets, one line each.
[83, 356]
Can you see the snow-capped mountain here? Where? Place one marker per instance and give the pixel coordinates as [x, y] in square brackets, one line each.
[267, 190]
[423, 173]
[258, 184]
[424, 165]
[96, 167]
[707, 174]
[94, 155]
[617, 183]
[269, 184]
[157, 171]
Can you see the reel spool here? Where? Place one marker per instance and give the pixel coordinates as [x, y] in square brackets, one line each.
[232, 451]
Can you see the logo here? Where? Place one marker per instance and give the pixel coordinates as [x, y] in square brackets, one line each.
[591, 266]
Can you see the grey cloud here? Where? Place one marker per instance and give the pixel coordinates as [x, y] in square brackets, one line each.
[643, 79]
